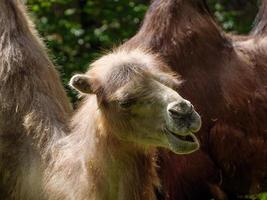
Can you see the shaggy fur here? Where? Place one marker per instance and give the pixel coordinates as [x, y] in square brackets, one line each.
[95, 162]
[226, 79]
[33, 106]
[260, 23]
[81, 161]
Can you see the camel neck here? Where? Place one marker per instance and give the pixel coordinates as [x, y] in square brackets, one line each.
[122, 170]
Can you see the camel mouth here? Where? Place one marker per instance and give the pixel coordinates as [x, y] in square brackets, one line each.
[188, 138]
[182, 144]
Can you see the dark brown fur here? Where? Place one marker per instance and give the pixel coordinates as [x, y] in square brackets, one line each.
[226, 79]
[33, 106]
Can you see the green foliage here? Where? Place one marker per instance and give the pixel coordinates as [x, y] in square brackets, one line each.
[77, 31]
[263, 196]
[235, 16]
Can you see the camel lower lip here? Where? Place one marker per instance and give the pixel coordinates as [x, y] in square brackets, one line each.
[182, 144]
[187, 138]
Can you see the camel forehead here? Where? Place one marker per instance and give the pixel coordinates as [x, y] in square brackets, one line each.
[134, 74]
[121, 67]
[121, 57]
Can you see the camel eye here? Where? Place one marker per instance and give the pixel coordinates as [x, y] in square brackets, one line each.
[126, 103]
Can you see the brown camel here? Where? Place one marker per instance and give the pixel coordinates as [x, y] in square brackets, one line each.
[129, 108]
[226, 79]
[33, 106]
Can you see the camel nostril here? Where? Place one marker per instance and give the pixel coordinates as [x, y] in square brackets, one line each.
[173, 112]
[181, 108]
[185, 107]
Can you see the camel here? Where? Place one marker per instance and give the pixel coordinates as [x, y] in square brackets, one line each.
[34, 109]
[225, 79]
[129, 109]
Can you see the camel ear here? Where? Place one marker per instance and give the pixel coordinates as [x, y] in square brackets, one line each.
[81, 83]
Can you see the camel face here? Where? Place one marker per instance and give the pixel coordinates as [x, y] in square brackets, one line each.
[152, 113]
[139, 105]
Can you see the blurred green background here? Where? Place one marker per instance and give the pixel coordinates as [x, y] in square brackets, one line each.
[77, 31]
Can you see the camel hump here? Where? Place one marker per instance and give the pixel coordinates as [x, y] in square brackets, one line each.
[260, 23]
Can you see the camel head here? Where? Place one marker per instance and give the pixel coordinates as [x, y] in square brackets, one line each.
[138, 102]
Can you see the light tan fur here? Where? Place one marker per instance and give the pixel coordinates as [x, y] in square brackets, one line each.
[34, 108]
[111, 152]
